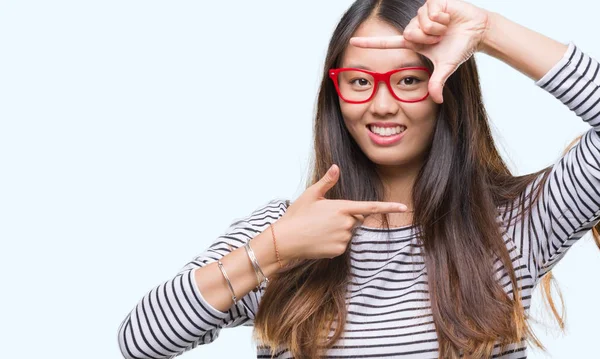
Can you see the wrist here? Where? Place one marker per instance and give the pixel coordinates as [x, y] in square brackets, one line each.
[488, 42]
[284, 240]
[490, 30]
[264, 249]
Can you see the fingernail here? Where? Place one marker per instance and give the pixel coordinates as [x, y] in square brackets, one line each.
[402, 207]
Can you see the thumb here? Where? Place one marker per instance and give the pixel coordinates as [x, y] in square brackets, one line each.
[328, 180]
[438, 79]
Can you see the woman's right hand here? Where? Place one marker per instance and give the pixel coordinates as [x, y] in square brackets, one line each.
[314, 227]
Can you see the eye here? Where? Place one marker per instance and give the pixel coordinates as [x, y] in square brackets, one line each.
[359, 81]
[410, 80]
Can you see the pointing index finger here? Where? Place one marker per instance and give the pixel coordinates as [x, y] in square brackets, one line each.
[380, 42]
[367, 208]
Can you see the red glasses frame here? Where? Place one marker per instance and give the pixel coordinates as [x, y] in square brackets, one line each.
[378, 77]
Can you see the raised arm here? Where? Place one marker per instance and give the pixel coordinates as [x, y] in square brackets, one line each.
[569, 204]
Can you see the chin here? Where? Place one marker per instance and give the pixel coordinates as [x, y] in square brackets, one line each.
[390, 161]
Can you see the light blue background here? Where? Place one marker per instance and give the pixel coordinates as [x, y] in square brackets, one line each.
[133, 132]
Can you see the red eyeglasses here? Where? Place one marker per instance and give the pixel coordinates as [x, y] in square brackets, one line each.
[407, 84]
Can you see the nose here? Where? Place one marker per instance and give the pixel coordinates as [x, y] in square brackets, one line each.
[383, 103]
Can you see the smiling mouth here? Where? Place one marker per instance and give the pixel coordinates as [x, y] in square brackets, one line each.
[386, 131]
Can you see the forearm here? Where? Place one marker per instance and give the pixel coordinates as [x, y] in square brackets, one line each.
[212, 284]
[175, 316]
[530, 52]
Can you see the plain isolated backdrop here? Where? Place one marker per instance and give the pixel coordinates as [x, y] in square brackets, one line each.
[133, 132]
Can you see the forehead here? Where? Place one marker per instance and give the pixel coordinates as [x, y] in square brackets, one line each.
[378, 59]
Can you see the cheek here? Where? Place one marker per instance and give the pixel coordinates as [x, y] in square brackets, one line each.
[423, 117]
[353, 114]
[424, 109]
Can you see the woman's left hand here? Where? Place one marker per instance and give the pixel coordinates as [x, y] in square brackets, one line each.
[448, 32]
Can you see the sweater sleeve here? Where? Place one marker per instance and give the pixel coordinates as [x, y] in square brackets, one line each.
[174, 317]
[568, 205]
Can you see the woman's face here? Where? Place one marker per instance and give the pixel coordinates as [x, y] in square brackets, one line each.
[418, 118]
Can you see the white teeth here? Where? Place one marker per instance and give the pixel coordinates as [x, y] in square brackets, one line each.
[387, 131]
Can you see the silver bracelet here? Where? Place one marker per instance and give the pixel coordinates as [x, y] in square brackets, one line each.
[255, 264]
[228, 282]
[258, 279]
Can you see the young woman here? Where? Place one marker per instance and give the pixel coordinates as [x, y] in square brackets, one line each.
[413, 239]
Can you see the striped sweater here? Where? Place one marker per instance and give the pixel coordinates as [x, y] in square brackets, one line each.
[389, 313]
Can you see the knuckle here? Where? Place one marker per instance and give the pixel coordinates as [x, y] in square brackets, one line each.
[373, 209]
[338, 211]
[349, 223]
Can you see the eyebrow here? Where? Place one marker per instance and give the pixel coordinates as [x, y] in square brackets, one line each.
[404, 64]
